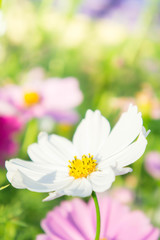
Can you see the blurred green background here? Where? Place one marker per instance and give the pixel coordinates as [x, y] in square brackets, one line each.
[115, 63]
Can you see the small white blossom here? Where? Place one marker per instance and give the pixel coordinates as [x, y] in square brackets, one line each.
[89, 163]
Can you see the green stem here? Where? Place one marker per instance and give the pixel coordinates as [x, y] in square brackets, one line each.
[98, 216]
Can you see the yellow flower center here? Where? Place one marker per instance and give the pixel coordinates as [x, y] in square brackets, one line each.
[79, 168]
[31, 98]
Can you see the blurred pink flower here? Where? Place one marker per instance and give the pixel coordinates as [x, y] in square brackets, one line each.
[9, 125]
[76, 220]
[53, 97]
[146, 100]
[122, 194]
[152, 164]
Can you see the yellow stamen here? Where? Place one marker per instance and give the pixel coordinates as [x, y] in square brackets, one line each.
[79, 168]
[31, 98]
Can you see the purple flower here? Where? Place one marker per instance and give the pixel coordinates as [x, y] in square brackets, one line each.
[152, 164]
[99, 8]
[76, 220]
[53, 97]
[9, 125]
[119, 10]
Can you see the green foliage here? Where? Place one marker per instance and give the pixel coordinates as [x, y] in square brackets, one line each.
[1, 188]
[111, 65]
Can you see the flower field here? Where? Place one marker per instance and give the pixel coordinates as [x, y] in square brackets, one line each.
[79, 119]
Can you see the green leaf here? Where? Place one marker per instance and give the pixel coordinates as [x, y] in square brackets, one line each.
[29, 137]
[19, 223]
[4, 187]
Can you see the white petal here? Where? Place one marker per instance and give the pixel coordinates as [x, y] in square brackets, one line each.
[129, 155]
[122, 171]
[52, 195]
[132, 152]
[80, 188]
[25, 174]
[33, 185]
[64, 146]
[125, 132]
[20, 180]
[15, 179]
[53, 150]
[102, 180]
[91, 133]
[34, 171]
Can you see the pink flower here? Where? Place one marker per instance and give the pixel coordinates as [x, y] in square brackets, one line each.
[9, 125]
[76, 220]
[146, 100]
[152, 164]
[122, 194]
[53, 97]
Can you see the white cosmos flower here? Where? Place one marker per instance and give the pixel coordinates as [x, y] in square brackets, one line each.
[89, 163]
